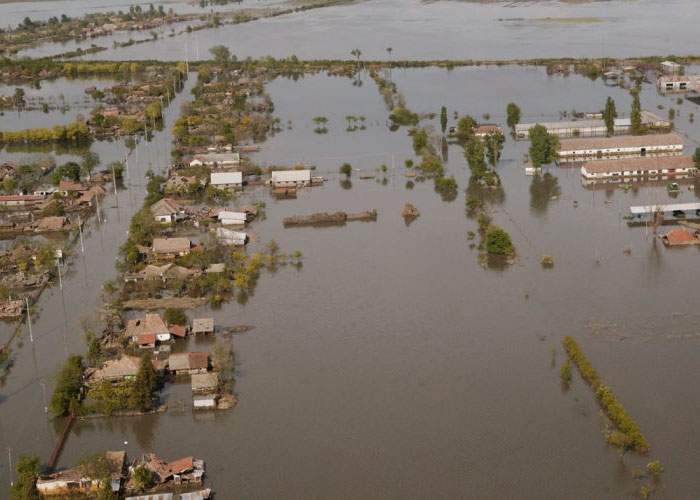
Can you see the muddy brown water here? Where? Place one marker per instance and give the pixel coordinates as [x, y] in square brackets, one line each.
[392, 364]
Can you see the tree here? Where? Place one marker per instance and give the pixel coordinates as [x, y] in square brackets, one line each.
[346, 169]
[636, 114]
[24, 487]
[90, 161]
[143, 478]
[175, 316]
[141, 396]
[357, 53]
[494, 146]
[474, 154]
[465, 128]
[222, 55]
[69, 382]
[609, 115]
[19, 97]
[498, 242]
[443, 119]
[696, 157]
[543, 146]
[513, 113]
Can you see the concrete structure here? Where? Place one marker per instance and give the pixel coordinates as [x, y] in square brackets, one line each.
[671, 68]
[202, 325]
[582, 148]
[678, 83]
[591, 127]
[226, 180]
[228, 237]
[652, 167]
[207, 402]
[290, 178]
[232, 218]
[216, 159]
[204, 383]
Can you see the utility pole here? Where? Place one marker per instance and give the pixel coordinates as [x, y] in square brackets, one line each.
[60, 280]
[29, 320]
[80, 230]
[43, 391]
[9, 457]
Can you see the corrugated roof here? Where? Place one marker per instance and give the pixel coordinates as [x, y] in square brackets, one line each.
[218, 178]
[171, 245]
[291, 176]
[638, 164]
[202, 325]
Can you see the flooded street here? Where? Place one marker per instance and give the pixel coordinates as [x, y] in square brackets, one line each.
[392, 364]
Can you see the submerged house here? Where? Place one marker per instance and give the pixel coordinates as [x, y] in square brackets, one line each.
[167, 211]
[678, 83]
[73, 481]
[216, 159]
[232, 218]
[116, 370]
[147, 330]
[229, 237]
[592, 127]
[171, 247]
[681, 237]
[188, 363]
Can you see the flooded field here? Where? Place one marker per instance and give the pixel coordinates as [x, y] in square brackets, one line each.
[392, 364]
[467, 30]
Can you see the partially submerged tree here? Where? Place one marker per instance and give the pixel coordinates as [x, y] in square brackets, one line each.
[543, 146]
[513, 113]
[609, 115]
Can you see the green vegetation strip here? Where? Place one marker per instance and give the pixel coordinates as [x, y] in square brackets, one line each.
[628, 435]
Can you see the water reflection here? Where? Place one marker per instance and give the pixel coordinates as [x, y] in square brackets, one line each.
[543, 189]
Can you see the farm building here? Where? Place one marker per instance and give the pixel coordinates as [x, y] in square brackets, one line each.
[226, 180]
[653, 167]
[290, 178]
[594, 127]
[216, 159]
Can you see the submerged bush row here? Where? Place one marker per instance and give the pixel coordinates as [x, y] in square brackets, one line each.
[628, 435]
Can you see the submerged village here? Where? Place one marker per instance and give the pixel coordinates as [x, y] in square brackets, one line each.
[158, 218]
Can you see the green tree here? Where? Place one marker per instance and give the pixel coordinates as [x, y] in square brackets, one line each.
[175, 316]
[636, 114]
[513, 114]
[498, 242]
[90, 161]
[66, 393]
[494, 146]
[696, 158]
[543, 146]
[24, 487]
[143, 478]
[443, 119]
[609, 115]
[18, 98]
[141, 396]
[465, 128]
[221, 54]
[346, 169]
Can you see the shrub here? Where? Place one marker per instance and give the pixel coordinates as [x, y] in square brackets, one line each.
[346, 169]
[175, 316]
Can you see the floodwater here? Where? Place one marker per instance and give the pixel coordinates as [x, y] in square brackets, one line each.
[446, 29]
[392, 364]
[13, 13]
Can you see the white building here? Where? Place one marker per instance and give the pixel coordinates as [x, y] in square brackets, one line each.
[591, 147]
[291, 178]
[216, 159]
[167, 211]
[671, 68]
[590, 127]
[225, 180]
[232, 218]
[652, 167]
[678, 83]
[206, 402]
[228, 237]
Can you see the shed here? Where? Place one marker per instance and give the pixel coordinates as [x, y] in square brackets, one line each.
[290, 178]
[226, 179]
[188, 363]
[228, 237]
[232, 218]
[207, 402]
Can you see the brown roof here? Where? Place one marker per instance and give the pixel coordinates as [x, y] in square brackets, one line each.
[21, 197]
[486, 129]
[202, 325]
[146, 339]
[178, 330]
[66, 185]
[181, 465]
[166, 206]
[204, 382]
[53, 223]
[151, 323]
[115, 369]
[171, 245]
[188, 361]
[621, 141]
[639, 164]
[679, 236]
